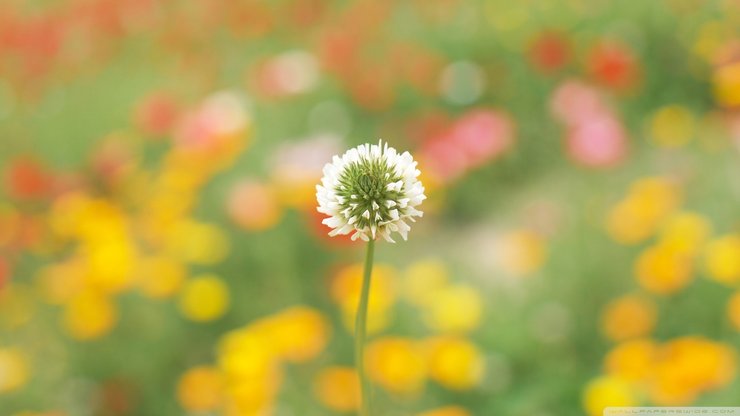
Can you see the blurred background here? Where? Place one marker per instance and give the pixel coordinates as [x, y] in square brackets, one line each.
[161, 253]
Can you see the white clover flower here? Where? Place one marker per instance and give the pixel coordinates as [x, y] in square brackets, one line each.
[371, 190]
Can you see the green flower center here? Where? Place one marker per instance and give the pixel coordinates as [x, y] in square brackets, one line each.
[363, 186]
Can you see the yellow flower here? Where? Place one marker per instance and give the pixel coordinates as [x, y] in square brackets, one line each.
[252, 398]
[247, 356]
[194, 242]
[110, 264]
[733, 310]
[672, 126]
[607, 392]
[252, 372]
[59, 283]
[689, 366]
[455, 363]
[726, 83]
[99, 221]
[722, 259]
[160, 276]
[627, 317]
[454, 309]
[89, 315]
[297, 334]
[422, 280]
[637, 217]
[685, 232]
[14, 369]
[204, 298]
[377, 319]
[446, 411]
[200, 389]
[522, 252]
[345, 290]
[338, 388]
[710, 37]
[397, 364]
[663, 270]
[632, 360]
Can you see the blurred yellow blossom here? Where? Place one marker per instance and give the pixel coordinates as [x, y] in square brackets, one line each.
[110, 264]
[423, 279]
[733, 310]
[160, 276]
[685, 232]
[689, 366]
[253, 374]
[522, 252]
[606, 392]
[100, 221]
[637, 217]
[14, 369]
[251, 358]
[60, 282]
[200, 389]
[627, 317]
[338, 388]
[456, 308]
[455, 363]
[251, 398]
[396, 364]
[89, 315]
[710, 38]
[663, 270]
[204, 298]
[726, 85]
[296, 334]
[722, 259]
[345, 290]
[446, 411]
[672, 126]
[245, 355]
[199, 243]
[632, 360]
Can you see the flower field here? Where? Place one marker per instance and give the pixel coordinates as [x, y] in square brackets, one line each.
[161, 252]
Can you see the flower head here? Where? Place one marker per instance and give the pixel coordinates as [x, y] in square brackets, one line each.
[371, 190]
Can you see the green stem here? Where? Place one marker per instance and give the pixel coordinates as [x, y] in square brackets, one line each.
[360, 330]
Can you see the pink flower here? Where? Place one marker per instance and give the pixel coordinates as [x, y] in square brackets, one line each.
[599, 142]
[476, 138]
[575, 101]
[482, 135]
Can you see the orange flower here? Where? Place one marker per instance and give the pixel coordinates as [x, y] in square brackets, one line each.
[200, 389]
[627, 317]
[338, 388]
[397, 364]
[663, 270]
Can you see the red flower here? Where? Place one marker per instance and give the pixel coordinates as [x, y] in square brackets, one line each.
[614, 65]
[25, 178]
[549, 51]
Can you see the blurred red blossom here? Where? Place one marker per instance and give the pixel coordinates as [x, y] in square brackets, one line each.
[549, 51]
[156, 114]
[614, 65]
[27, 178]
